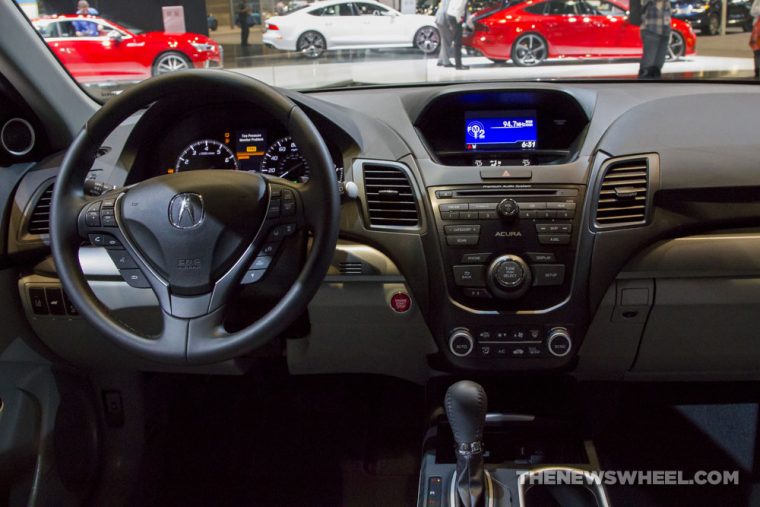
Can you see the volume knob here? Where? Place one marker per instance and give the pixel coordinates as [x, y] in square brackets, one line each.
[508, 208]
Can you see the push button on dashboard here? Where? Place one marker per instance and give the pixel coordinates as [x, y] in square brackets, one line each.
[545, 275]
[554, 239]
[469, 276]
[466, 240]
[462, 229]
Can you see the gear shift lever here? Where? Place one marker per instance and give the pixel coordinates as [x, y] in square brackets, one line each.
[466, 405]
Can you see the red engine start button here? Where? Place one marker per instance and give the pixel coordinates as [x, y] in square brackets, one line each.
[401, 302]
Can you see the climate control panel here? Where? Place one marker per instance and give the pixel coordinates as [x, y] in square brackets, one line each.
[511, 342]
[508, 247]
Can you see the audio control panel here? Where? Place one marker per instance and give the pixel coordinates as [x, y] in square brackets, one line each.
[508, 247]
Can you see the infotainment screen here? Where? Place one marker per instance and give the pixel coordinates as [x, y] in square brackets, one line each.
[501, 130]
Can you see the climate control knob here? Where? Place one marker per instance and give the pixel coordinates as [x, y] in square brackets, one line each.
[508, 277]
[559, 342]
[461, 342]
[508, 208]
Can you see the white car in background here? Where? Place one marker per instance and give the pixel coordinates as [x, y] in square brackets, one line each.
[338, 24]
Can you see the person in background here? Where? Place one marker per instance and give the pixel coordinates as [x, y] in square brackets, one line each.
[243, 15]
[655, 37]
[85, 28]
[84, 9]
[754, 40]
[455, 16]
[441, 22]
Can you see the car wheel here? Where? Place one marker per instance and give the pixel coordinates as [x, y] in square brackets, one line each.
[676, 46]
[311, 44]
[427, 39]
[713, 25]
[170, 62]
[529, 50]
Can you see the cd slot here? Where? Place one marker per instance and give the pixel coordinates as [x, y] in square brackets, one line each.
[516, 192]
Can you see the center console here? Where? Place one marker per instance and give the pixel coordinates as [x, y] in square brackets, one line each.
[509, 244]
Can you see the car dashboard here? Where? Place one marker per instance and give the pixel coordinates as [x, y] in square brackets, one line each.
[603, 230]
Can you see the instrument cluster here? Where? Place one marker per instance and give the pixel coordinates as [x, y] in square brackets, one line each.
[249, 149]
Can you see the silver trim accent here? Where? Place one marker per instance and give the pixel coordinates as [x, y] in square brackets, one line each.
[465, 333]
[186, 206]
[522, 487]
[499, 418]
[489, 489]
[358, 172]
[555, 333]
[31, 131]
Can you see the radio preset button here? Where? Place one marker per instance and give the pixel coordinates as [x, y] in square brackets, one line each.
[487, 215]
[468, 215]
[477, 293]
[565, 213]
[449, 215]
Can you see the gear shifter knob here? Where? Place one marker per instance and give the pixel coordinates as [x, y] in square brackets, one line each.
[466, 405]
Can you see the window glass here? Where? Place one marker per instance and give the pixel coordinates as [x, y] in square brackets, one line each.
[536, 8]
[559, 8]
[48, 30]
[606, 8]
[370, 9]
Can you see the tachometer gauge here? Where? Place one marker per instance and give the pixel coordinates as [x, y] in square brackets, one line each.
[284, 160]
[206, 154]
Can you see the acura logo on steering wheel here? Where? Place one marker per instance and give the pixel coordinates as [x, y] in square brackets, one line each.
[186, 210]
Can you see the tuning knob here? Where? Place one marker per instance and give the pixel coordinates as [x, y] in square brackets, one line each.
[508, 208]
[509, 277]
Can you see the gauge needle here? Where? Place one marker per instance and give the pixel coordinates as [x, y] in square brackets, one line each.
[291, 170]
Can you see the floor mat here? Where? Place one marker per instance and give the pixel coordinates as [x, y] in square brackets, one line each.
[273, 439]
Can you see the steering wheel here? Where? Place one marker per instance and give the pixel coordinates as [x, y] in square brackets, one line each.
[195, 236]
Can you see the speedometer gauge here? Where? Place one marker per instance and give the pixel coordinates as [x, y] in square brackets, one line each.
[284, 160]
[206, 154]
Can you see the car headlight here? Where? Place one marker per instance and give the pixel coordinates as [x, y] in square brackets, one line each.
[202, 47]
[700, 8]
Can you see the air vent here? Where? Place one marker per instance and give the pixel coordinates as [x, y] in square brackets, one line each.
[351, 268]
[39, 222]
[623, 194]
[390, 197]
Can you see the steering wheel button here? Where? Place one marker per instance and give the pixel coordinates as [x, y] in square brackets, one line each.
[109, 203]
[121, 259]
[274, 210]
[269, 249]
[135, 278]
[288, 208]
[94, 206]
[92, 219]
[261, 262]
[253, 276]
[287, 195]
[108, 221]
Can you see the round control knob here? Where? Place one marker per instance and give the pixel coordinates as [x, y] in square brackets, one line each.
[461, 343]
[559, 342]
[508, 208]
[509, 274]
[508, 277]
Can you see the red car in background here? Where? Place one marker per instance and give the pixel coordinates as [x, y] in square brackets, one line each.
[531, 31]
[95, 50]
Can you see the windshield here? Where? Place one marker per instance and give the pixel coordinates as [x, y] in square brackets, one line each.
[109, 45]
